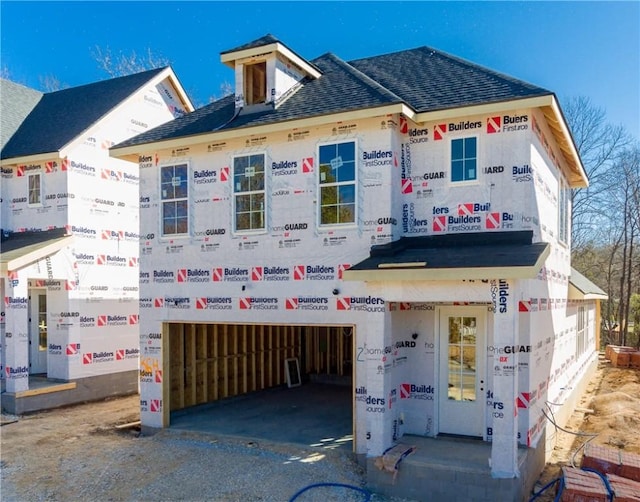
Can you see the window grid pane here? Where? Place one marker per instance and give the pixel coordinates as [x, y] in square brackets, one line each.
[462, 358]
[464, 159]
[34, 189]
[249, 192]
[337, 176]
[174, 192]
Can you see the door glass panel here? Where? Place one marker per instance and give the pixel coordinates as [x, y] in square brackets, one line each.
[462, 359]
[42, 322]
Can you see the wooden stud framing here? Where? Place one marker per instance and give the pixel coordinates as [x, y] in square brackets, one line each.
[209, 362]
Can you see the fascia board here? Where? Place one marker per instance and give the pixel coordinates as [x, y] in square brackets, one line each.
[230, 57]
[570, 143]
[299, 61]
[167, 72]
[441, 274]
[30, 159]
[483, 109]
[30, 257]
[572, 157]
[184, 97]
[576, 294]
[448, 274]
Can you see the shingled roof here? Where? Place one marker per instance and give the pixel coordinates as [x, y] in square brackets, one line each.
[424, 79]
[61, 116]
[259, 42]
[429, 80]
[16, 102]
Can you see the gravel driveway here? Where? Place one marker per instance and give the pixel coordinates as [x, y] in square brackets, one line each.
[76, 453]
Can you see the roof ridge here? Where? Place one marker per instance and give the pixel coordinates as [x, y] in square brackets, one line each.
[43, 130]
[151, 71]
[456, 59]
[361, 75]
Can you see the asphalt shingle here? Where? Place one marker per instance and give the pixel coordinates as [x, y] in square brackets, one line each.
[61, 116]
[16, 102]
[429, 80]
[423, 78]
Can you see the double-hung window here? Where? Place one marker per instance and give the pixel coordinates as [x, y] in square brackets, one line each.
[174, 188]
[563, 212]
[249, 192]
[464, 159]
[581, 332]
[35, 189]
[337, 180]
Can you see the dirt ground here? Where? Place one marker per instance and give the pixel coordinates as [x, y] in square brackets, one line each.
[77, 453]
[36, 451]
[608, 415]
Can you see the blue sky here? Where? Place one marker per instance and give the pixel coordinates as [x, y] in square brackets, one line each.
[572, 48]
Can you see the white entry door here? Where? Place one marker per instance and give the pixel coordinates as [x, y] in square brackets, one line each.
[37, 331]
[461, 402]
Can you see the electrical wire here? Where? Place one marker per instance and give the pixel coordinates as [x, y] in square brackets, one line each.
[339, 485]
[604, 480]
[590, 435]
[544, 488]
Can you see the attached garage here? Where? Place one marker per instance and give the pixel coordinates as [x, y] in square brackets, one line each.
[212, 362]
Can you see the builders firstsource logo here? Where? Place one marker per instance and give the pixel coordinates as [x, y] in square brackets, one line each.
[97, 357]
[284, 167]
[163, 276]
[507, 123]
[14, 373]
[112, 320]
[360, 303]
[314, 272]
[193, 275]
[205, 176]
[214, 303]
[231, 274]
[81, 168]
[257, 303]
[469, 217]
[172, 302]
[307, 303]
[270, 274]
[16, 303]
[413, 391]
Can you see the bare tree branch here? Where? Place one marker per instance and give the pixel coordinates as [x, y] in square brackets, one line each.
[51, 83]
[123, 64]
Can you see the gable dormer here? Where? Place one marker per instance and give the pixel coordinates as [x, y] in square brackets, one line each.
[266, 73]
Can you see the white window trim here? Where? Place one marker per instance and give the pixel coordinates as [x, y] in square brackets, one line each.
[475, 181]
[41, 191]
[325, 228]
[267, 171]
[161, 236]
[582, 341]
[564, 219]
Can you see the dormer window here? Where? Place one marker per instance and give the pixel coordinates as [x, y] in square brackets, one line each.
[255, 83]
[267, 73]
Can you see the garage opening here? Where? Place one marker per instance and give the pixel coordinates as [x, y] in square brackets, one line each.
[212, 362]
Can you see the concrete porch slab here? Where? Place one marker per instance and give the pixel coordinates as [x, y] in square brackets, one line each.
[455, 470]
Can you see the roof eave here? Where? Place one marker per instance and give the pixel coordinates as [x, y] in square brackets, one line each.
[317, 120]
[564, 138]
[384, 274]
[36, 254]
[30, 159]
[230, 58]
[575, 293]
[167, 72]
[182, 94]
[577, 177]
